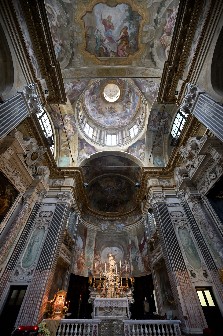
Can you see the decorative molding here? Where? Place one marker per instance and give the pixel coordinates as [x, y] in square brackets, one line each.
[190, 98]
[157, 197]
[202, 164]
[65, 197]
[32, 99]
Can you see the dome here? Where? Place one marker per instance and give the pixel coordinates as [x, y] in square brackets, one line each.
[111, 112]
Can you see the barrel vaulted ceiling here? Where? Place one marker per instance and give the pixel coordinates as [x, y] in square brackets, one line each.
[109, 84]
[102, 43]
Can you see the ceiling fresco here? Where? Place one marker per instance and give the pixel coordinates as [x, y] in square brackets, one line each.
[111, 54]
[85, 150]
[111, 183]
[148, 87]
[110, 162]
[74, 88]
[103, 42]
[111, 193]
[138, 150]
[112, 31]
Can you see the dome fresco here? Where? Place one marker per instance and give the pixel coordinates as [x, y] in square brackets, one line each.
[112, 193]
[107, 114]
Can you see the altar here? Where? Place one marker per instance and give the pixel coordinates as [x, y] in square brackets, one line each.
[111, 294]
[111, 308]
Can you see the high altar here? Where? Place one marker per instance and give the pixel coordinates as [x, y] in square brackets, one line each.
[110, 296]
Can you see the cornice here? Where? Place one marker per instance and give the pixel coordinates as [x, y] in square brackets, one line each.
[184, 30]
[39, 31]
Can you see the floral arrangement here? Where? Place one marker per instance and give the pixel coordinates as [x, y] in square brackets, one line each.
[43, 330]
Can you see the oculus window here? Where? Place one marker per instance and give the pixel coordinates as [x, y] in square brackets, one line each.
[111, 92]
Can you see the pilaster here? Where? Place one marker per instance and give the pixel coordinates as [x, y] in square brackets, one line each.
[173, 228]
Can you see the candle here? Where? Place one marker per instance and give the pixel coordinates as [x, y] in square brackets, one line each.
[116, 269]
[105, 267]
[120, 264]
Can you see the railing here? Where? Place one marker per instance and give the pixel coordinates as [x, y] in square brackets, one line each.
[131, 327]
[152, 328]
[78, 327]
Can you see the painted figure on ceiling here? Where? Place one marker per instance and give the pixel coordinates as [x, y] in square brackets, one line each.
[109, 27]
[123, 43]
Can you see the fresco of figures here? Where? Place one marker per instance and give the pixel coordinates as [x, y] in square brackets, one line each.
[58, 17]
[112, 31]
[115, 114]
[128, 248]
[166, 37]
[138, 149]
[85, 150]
[148, 87]
[111, 193]
[75, 88]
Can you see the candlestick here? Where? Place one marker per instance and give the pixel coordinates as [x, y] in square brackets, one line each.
[105, 267]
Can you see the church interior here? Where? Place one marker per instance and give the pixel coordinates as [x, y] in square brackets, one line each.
[111, 169]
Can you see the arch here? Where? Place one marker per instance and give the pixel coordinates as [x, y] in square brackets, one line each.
[124, 155]
[217, 65]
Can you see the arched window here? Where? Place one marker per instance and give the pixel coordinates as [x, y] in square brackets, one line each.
[178, 123]
[46, 127]
[88, 130]
[111, 140]
[133, 131]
